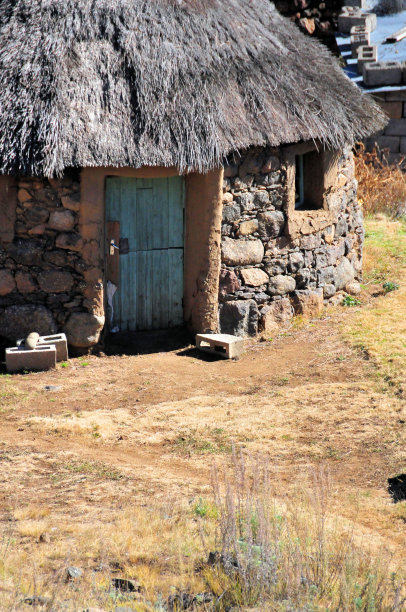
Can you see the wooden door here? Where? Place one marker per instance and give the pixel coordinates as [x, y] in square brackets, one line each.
[147, 215]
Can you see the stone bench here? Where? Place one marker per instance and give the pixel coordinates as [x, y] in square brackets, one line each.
[221, 345]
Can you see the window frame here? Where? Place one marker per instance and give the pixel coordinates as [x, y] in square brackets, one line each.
[303, 220]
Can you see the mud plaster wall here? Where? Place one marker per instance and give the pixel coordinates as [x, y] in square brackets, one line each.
[52, 252]
[277, 261]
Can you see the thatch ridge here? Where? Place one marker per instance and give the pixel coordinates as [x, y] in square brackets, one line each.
[163, 82]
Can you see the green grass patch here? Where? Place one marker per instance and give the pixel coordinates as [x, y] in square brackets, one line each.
[379, 329]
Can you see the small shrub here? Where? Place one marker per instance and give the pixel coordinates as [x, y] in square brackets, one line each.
[390, 286]
[349, 300]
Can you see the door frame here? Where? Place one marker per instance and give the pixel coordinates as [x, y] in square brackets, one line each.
[202, 243]
[107, 238]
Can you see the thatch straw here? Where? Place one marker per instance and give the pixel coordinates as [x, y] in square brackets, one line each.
[163, 82]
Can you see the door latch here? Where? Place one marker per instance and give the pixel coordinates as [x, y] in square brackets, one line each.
[113, 246]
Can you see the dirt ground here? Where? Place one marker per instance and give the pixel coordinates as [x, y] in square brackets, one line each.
[118, 430]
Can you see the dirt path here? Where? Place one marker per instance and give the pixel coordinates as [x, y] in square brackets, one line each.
[123, 428]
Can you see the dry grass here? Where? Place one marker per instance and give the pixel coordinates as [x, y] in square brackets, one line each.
[380, 327]
[117, 483]
[381, 186]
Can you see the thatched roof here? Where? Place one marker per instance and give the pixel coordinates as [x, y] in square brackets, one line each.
[163, 82]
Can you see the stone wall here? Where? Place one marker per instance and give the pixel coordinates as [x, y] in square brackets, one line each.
[42, 270]
[273, 263]
[391, 140]
[266, 275]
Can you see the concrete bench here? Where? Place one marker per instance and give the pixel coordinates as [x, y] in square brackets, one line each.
[58, 340]
[382, 73]
[41, 358]
[222, 345]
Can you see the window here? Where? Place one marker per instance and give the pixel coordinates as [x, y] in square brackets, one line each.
[309, 181]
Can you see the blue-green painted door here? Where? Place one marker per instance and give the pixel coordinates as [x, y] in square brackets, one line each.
[150, 285]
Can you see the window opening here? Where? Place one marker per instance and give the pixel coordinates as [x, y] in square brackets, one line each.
[309, 181]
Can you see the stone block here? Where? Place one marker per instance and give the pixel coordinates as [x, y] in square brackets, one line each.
[245, 201]
[242, 252]
[308, 303]
[41, 358]
[275, 315]
[366, 55]
[353, 288]
[248, 227]
[303, 278]
[310, 242]
[270, 224]
[27, 252]
[281, 285]
[377, 73]
[25, 283]
[354, 16]
[239, 318]
[36, 216]
[55, 281]
[254, 277]
[296, 261]
[343, 274]
[70, 241]
[83, 329]
[328, 291]
[231, 212]
[71, 202]
[228, 283]
[221, 345]
[325, 276]
[62, 220]
[261, 199]
[271, 164]
[227, 198]
[396, 127]
[7, 282]
[276, 266]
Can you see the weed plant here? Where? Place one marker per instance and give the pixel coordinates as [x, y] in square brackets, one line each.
[381, 186]
[294, 557]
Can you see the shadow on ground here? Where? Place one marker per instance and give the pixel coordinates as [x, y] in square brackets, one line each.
[146, 343]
